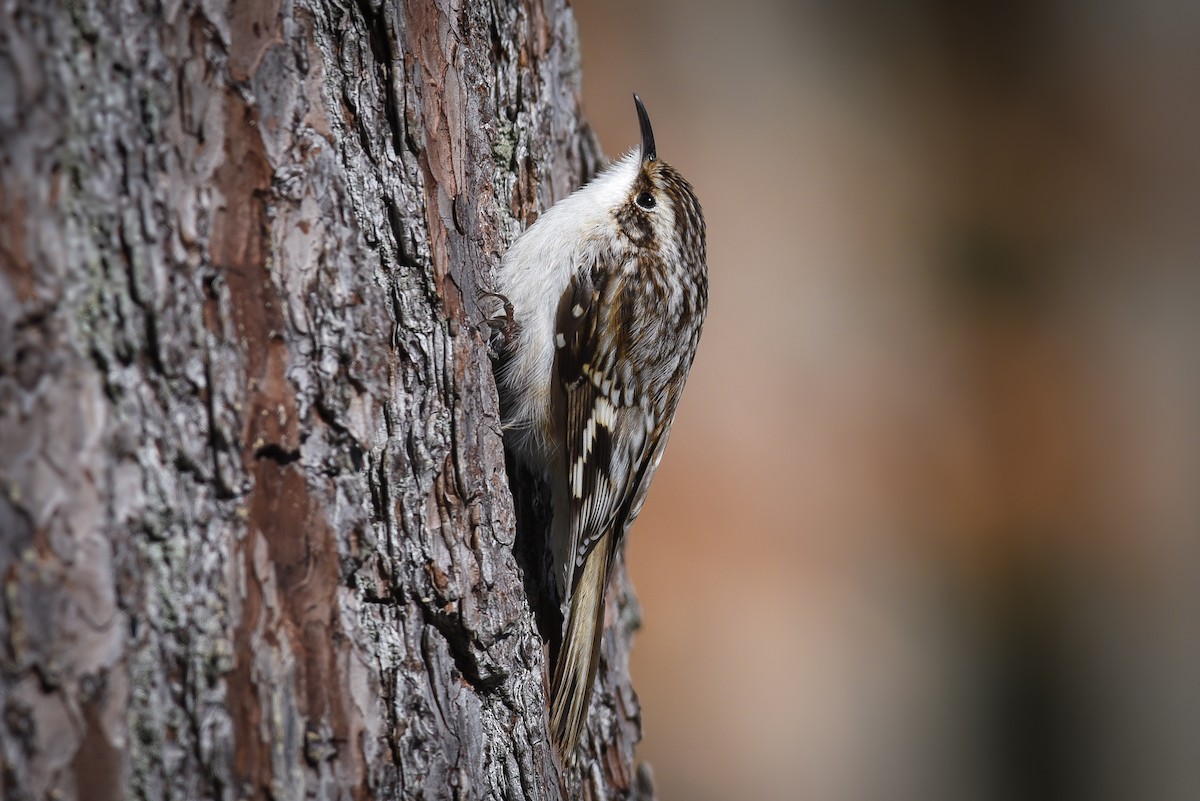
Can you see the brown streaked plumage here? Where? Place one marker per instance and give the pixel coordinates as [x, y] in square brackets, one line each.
[609, 290]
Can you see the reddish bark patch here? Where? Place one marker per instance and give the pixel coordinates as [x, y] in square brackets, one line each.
[304, 556]
[430, 37]
[271, 422]
[240, 233]
[98, 765]
[302, 549]
[239, 251]
[253, 27]
[14, 260]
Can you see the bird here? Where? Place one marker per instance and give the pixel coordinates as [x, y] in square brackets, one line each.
[605, 296]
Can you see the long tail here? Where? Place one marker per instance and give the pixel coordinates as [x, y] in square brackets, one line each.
[579, 656]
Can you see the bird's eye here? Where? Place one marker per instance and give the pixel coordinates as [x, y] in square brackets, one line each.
[645, 200]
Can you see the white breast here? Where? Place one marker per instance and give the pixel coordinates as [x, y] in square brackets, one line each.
[534, 273]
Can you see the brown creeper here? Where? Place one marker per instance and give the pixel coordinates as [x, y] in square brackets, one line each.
[608, 292]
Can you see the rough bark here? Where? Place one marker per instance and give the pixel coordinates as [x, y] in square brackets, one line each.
[257, 533]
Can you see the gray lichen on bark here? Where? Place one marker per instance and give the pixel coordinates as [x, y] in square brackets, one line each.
[257, 536]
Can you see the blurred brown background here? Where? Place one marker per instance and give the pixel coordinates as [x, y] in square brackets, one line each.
[929, 525]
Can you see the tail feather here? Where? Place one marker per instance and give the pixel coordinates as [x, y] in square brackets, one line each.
[579, 656]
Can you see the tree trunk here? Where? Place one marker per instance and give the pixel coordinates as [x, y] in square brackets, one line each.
[257, 534]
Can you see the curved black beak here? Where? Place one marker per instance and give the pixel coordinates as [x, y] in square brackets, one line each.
[648, 151]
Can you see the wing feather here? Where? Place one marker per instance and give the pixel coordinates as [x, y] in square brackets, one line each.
[604, 426]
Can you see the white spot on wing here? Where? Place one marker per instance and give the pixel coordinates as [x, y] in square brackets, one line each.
[606, 413]
[589, 435]
[577, 478]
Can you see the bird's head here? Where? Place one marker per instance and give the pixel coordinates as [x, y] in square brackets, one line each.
[658, 208]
